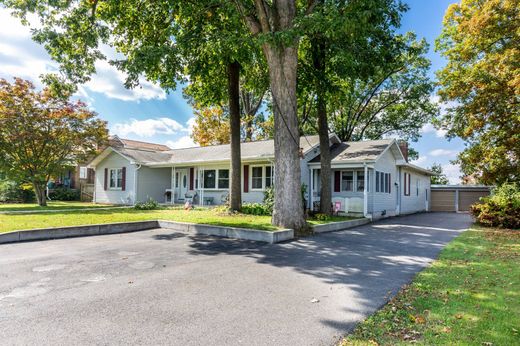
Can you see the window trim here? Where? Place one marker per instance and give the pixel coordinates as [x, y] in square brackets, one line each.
[115, 188]
[217, 174]
[263, 166]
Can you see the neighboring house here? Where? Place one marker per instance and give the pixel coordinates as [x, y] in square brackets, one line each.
[372, 178]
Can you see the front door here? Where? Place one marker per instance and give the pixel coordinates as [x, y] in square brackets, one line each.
[182, 184]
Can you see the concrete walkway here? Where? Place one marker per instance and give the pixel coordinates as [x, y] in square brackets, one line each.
[161, 287]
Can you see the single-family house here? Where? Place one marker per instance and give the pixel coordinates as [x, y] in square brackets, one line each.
[372, 178]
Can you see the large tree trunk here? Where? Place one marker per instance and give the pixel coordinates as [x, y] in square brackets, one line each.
[235, 195]
[318, 51]
[40, 192]
[288, 206]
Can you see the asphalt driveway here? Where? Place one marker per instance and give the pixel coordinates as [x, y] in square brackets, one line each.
[159, 287]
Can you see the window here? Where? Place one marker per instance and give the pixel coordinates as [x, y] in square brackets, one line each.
[257, 177]
[268, 176]
[347, 181]
[223, 178]
[417, 186]
[406, 184]
[83, 172]
[116, 178]
[387, 182]
[209, 180]
[360, 181]
[176, 179]
[383, 181]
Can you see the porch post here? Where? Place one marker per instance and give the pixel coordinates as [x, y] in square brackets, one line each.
[311, 192]
[201, 182]
[174, 178]
[365, 191]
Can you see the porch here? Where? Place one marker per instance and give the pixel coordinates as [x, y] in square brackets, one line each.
[350, 186]
[209, 184]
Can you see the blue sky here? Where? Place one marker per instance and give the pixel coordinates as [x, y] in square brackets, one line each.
[148, 113]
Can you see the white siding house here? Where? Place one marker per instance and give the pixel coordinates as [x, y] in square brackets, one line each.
[370, 178]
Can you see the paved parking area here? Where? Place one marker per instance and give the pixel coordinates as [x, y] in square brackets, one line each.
[163, 287]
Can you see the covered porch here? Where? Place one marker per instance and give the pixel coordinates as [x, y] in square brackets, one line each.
[350, 184]
[209, 184]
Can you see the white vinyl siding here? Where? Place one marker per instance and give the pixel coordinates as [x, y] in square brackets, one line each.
[114, 196]
[419, 192]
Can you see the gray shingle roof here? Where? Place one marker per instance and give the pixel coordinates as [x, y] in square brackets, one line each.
[356, 151]
[215, 153]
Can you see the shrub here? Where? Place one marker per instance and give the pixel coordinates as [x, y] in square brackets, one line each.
[256, 209]
[269, 199]
[64, 194]
[11, 191]
[501, 209]
[150, 204]
[322, 217]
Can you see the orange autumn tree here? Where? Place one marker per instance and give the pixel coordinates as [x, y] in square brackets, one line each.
[41, 132]
[211, 126]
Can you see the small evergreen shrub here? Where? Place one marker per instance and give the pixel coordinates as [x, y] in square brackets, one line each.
[150, 204]
[501, 209]
[64, 194]
[269, 199]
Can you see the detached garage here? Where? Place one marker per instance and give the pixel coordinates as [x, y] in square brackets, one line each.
[456, 198]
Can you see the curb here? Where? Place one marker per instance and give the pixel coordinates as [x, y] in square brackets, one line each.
[270, 237]
[339, 226]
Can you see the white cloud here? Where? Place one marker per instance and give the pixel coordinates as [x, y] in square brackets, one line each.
[110, 81]
[182, 142]
[452, 172]
[421, 160]
[429, 128]
[148, 127]
[22, 57]
[444, 153]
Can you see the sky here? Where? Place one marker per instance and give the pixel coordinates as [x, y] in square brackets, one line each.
[148, 113]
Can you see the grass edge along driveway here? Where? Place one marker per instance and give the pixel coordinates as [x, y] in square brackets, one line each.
[469, 296]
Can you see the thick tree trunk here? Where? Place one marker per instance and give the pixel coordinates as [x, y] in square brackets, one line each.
[39, 191]
[323, 127]
[235, 192]
[288, 206]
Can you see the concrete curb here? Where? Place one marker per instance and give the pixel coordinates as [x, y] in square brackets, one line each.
[75, 231]
[270, 237]
[124, 227]
[339, 226]
[15, 212]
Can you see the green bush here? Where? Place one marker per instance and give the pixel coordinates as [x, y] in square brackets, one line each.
[256, 209]
[269, 199]
[150, 204]
[501, 209]
[64, 194]
[11, 191]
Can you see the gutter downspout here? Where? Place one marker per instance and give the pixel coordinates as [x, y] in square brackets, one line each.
[135, 183]
[365, 191]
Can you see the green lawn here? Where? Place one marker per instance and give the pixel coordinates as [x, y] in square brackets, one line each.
[10, 222]
[52, 205]
[469, 296]
[70, 217]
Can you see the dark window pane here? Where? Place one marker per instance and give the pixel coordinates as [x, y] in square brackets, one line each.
[256, 180]
[209, 179]
[360, 181]
[223, 178]
[347, 181]
[268, 176]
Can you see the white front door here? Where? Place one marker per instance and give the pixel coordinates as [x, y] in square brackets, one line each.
[182, 184]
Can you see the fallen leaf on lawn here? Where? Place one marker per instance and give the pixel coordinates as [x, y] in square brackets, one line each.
[458, 316]
[446, 330]
[419, 319]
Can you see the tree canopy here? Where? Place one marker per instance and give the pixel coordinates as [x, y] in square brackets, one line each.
[440, 178]
[41, 132]
[481, 84]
